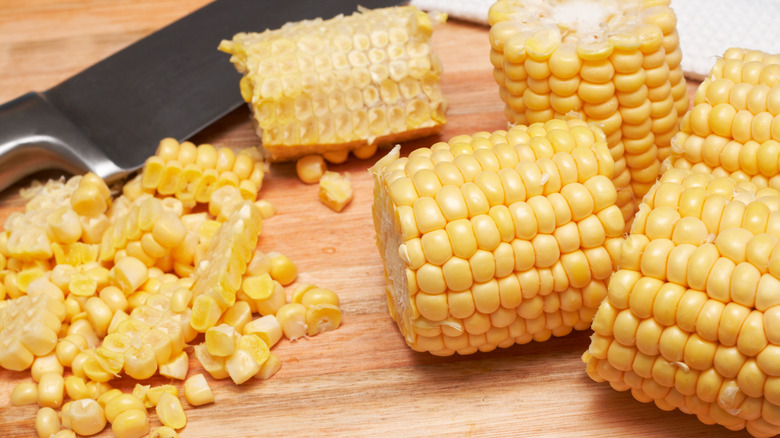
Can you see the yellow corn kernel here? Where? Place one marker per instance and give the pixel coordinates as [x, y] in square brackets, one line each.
[270, 367]
[45, 364]
[164, 432]
[319, 295]
[267, 209]
[140, 392]
[197, 390]
[76, 388]
[130, 273]
[246, 360]
[47, 422]
[177, 367]
[267, 328]
[108, 395]
[51, 390]
[24, 393]
[154, 393]
[64, 433]
[86, 417]
[283, 269]
[335, 190]
[340, 107]
[122, 403]
[297, 295]
[292, 319]
[92, 197]
[214, 365]
[169, 411]
[238, 315]
[131, 423]
[221, 340]
[322, 318]
[266, 294]
[310, 168]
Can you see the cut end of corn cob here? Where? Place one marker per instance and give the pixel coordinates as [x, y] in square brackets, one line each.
[347, 83]
[616, 63]
[497, 238]
[734, 127]
[692, 317]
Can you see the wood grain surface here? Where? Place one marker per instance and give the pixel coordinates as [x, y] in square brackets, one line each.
[361, 380]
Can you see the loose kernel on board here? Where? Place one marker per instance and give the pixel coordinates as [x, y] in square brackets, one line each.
[197, 390]
[335, 190]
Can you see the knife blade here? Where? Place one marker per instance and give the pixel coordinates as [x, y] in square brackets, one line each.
[109, 118]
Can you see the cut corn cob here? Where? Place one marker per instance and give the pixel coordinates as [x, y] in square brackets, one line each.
[617, 63]
[692, 317]
[496, 239]
[734, 126]
[348, 83]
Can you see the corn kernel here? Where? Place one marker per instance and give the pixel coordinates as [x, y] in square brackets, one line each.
[47, 422]
[197, 391]
[86, 417]
[283, 269]
[267, 328]
[177, 367]
[270, 367]
[132, 423]
[335, 190]
[247, 359]
[310, 168]
[164, 432]
[170, 412]
[24, 393]
[292, 319]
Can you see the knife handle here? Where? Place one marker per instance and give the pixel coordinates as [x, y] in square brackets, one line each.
[35, 135]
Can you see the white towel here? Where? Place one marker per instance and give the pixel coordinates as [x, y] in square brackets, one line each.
[706, 27]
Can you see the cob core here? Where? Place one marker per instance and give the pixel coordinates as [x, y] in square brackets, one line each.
[347, 83]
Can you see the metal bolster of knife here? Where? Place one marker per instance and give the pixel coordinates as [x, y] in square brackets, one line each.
[35, 135]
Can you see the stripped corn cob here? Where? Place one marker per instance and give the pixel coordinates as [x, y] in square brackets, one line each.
[348, 83]
[496, 239]
[692, 317]
[192, 173]
[615, 63]
[734, 126]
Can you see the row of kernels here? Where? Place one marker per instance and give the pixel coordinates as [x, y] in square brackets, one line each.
[192, 173]
[453, 337]
[740, 96]
[753, 72]
[727, 121]
[228, 254]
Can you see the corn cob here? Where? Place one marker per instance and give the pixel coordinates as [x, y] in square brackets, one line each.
[692, 317]
[615, 63]
[734, 126]
[496, 239]
[339, 85]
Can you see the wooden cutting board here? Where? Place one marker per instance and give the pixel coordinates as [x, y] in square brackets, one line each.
[361, 380]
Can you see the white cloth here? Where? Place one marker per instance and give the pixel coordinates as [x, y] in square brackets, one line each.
[706, 27]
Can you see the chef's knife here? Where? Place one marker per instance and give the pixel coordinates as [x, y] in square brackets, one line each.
[110, 117]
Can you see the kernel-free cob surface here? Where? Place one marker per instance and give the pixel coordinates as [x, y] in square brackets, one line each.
[341, 84]
[617, 63]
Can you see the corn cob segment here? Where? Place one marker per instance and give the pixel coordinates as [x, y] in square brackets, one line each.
[218, 276]
[498, 238]
[734, 127]
[691, 317]
[616, 63]
[343, 84]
